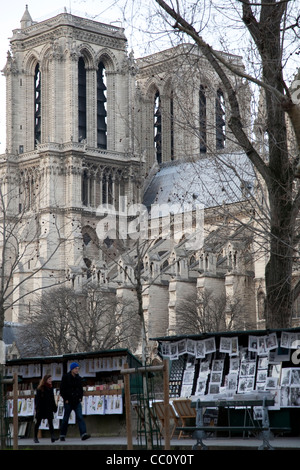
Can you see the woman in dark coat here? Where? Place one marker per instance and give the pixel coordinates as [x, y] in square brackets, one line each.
[45, 406]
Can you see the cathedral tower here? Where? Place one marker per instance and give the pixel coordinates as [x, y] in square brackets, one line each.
[69, 139]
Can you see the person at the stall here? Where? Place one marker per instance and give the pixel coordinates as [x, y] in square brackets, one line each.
[45, 406]
[71, 390]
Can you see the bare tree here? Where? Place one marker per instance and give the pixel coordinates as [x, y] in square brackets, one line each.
[204, 312]
[29, 242]
[66, 321]
[131, 265]
[268, 26]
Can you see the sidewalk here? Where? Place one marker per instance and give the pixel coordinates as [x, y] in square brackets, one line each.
[120, 443]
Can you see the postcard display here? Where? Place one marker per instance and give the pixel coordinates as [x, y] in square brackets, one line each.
[98, 399]
[236, 365]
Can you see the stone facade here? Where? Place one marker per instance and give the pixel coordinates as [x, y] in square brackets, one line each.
[89, 128]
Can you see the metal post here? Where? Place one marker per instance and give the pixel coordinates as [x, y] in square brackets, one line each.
[165, 368]
[166, 405]
[15, 412]
[128, 409]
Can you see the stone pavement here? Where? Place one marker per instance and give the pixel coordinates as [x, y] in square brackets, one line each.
[185, 444]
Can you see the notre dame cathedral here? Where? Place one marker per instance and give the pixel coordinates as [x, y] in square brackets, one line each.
[91, 127]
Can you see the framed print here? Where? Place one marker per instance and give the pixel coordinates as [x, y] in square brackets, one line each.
[244, 369]
[295, 377]
[231, 382]
[190, 346]
[174, 350]
[188, 377]
[210, 345]
[275, 370]
[285, 396]
[165, 349]
[261, 346]
[214, 388]
[186, 390]
[200, 349]
[285, 377]
[242, 386]
[246, 384]
[216, 377]
[252, 343]
[260, 386]
[285, 340]
[271, 341]
[262, 375]
[225, 345]
[295, 396]
[271, 383]
[234, 346]
[234, 365]
[204, 367]
[201, 386]
[218, 365]
[262, 363]
[251, 368]
[181, 347]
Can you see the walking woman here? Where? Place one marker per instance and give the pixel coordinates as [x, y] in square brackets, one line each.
[45, 406]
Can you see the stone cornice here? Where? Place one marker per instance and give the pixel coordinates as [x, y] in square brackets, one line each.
[82, 36]
[180, 56]
[66, 19]
[75, 149]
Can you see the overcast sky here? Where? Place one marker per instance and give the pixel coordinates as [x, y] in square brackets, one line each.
[105, 11]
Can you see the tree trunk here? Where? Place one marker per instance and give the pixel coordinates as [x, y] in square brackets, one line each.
[146, 401]
[2, 410]
[278, 276]
[279, 172]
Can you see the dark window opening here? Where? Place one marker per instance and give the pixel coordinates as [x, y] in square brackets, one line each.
[88, 264]
[86, 238]
[101, 108]
[220, 120]
[81, 100]
[107, 190]
[202, 119]
[85, 189]
[37, 105]
[108, 242]
[157, 127]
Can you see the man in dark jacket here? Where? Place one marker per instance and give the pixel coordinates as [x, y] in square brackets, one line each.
[71, 391]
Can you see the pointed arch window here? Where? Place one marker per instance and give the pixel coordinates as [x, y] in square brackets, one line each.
[157, 127]
[101, 107]
[202, 119]
[88, 264]
[37, 105]
[172, 124]
[107, 189]
[81, 100]
[261, 301]
[220, 120]
[85, 189]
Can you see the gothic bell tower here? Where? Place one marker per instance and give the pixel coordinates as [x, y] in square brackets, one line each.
[69, 102]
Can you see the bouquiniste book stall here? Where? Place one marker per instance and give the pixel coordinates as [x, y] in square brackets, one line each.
[238, 364]
[102, 382]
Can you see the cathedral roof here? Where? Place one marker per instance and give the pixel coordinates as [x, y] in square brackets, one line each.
[210, 181]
